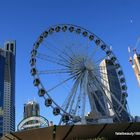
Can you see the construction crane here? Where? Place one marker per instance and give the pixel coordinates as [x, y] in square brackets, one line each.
[134, 59]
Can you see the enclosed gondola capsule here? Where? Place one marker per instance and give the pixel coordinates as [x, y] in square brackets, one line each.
[113, 59]
[40, 39]
[36, 45]
[41, 92]
[65, 118]
[122, 80]
[33, 52]
[108, 53]
[91, 37]
[56, 111]
[64, 28]
[33, 71]
[97, 41]
[45, 34]
[124, 87]
[120, 73]
[103, 47]
[32, 61]
[125, 94]
[36, 82]
[51, 30]
[117, 66]
[57, 29]
[48, 102]
[85, 33]
[71, 29]
[78, 30]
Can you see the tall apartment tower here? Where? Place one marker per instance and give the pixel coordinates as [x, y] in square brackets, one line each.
[7, 87]
[31, 109]
[111, 81]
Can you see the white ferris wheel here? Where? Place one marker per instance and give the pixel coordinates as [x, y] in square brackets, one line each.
[66, 66]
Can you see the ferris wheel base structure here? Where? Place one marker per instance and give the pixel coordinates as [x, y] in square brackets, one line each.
[77, 132]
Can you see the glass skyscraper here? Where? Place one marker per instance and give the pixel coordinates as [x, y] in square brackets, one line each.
[111, 81]
[7, 87]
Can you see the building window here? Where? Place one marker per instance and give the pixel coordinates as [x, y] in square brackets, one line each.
[12, 47]
[7, 47]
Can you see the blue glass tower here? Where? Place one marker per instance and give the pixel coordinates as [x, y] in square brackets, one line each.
[7, 88]
[114, 86]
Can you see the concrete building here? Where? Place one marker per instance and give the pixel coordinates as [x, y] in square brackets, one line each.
[7, 87]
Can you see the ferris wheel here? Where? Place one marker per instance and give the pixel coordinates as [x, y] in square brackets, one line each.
[68, 66]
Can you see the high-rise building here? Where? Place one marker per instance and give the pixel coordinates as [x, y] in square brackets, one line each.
[7, 87]
[32, 118]
[31, 109]
[111, 81]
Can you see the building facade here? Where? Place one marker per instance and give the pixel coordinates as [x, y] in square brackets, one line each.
[111, 81]
[136, 65]
[7, 87]
[32, 118]
[31, 109]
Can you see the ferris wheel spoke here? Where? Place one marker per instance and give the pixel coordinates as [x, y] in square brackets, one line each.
[84, 92]
[116, 100]
[72, 96]
[113, 96]
[109, 67]
[55, 71]
[97, 98]
[115, 89]
[64, 56]
[61, 56]
[52, 61]
[100, 87]
[95, 50]
[73, 54]
[62, 53]
[99, 71]
[52, 47]
[53, 58]
[72, 93]
[77, 104]
[105, 76]
[61, 83]
[111, 79]
[83, 106]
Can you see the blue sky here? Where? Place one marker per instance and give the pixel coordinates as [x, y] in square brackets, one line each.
[114, 21]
